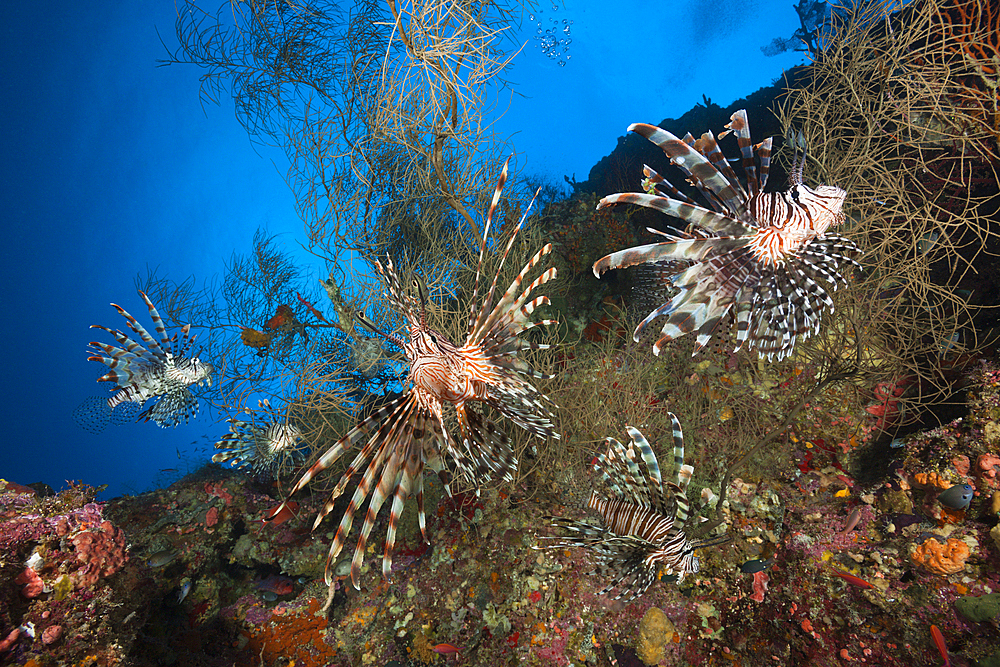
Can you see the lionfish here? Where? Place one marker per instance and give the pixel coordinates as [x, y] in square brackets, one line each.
[265, 446]
[161, 371]
[641, 536]
[761, 260]
[409, 432]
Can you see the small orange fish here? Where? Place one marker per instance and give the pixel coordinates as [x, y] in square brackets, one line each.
[941, 646]
[280, 513]
[446, 649]
[851, 579]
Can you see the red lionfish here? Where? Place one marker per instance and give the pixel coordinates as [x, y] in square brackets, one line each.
[409, 432]
[642, 529]
[266, 446]
[160, 371]
[759, 259]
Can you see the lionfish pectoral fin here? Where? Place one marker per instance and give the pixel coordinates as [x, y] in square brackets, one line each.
[93, 415]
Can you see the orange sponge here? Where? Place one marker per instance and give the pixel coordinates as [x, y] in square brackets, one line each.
[944, 559]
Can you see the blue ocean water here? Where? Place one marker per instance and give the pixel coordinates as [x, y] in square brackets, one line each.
[112, 167]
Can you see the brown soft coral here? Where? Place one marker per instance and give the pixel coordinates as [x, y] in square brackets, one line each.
[943, 559]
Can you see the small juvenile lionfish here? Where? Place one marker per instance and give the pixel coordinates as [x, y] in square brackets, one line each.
[267, 445]
[641, 535]
[409, 432]
[759, 259]
[161, 371]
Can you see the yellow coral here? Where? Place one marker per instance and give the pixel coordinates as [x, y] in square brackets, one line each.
[943, 559]
[63, 587]
[655, 630]
[423, 649]
[254, 338]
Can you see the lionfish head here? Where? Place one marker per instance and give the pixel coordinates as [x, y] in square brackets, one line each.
[823, 204]
[195, 371]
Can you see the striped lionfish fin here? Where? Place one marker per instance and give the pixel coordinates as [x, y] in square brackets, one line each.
[397, 451]
[620, 559]
[654, 481]
[153, 346]
[486, 451]
[740, 126]
[709, 147]
[692, 214]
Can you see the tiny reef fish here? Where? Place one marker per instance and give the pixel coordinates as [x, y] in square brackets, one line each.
[941, 646]
[852, 521]
[279, 514]
[183, 592]
[850, 578]
[276, 584]
[161, 558]
[446, 649]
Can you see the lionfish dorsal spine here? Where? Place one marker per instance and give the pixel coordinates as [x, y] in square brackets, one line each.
[152, 344]
[709, 147]
[740, 126]
[487, 315]
[653, 479]
[764, 153]
[475, 313]
[510, 316]
[696, 167]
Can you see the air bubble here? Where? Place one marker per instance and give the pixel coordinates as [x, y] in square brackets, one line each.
[553, 45]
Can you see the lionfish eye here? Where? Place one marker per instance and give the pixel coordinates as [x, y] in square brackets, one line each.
[795, 193]
[434, 338]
